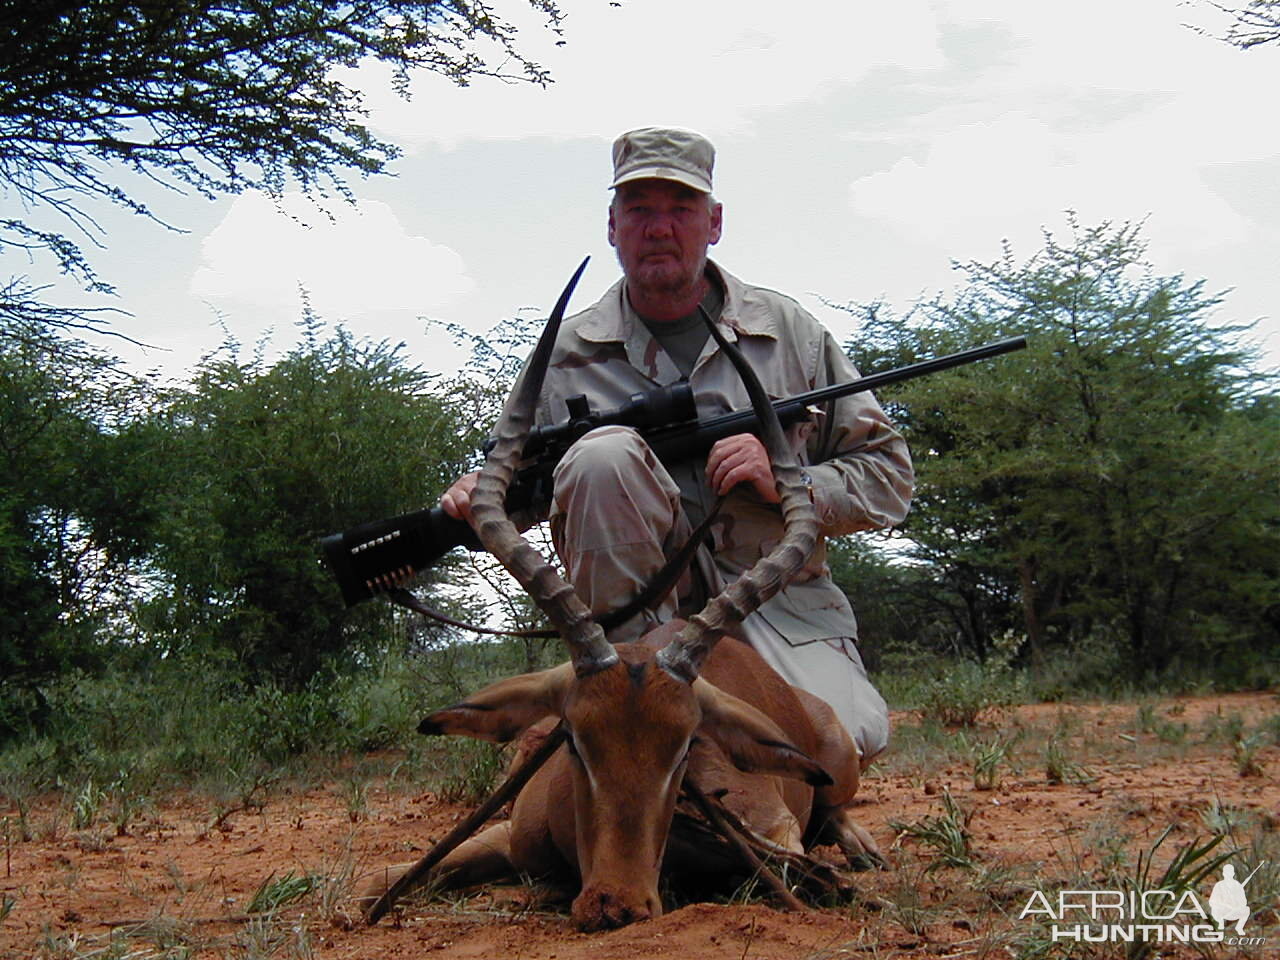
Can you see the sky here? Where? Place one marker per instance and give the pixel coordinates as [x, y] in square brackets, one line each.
[862, 149]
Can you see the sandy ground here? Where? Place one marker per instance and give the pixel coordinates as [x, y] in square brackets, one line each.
[173, 887]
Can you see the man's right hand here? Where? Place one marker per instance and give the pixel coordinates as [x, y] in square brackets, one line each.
[457, 499]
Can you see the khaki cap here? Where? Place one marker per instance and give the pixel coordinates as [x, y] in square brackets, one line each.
[666, 154]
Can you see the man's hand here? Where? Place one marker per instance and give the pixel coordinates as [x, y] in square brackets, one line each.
[741, 458]
[457, 499]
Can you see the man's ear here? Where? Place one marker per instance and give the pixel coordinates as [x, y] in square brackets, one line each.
[717, 223]
[503, 710]
[750, 739]
[613, 228]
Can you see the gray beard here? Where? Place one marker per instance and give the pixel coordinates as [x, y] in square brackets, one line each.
[667, 287]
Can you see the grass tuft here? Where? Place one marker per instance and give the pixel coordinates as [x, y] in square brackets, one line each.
[273, 893]
[948, 835]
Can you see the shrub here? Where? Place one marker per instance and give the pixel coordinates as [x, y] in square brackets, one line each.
[963, 691]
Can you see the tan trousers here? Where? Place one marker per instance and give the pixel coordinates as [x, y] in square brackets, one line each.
[616, 517]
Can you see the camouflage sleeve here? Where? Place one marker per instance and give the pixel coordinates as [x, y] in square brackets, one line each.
[861, 468]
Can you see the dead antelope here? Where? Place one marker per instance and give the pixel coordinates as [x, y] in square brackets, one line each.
[686, 700]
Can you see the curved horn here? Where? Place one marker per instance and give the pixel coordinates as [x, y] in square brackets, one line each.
[588, 648]
[683, 656]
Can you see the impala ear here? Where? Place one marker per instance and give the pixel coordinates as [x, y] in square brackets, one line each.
[503, 710]
[750, 739]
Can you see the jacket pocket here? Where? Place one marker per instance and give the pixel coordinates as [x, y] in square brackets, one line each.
[805, 613]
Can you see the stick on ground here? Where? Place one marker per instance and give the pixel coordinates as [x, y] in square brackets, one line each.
[785, 897]
[510, 787]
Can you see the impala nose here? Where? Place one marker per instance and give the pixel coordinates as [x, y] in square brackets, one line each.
[602, 909]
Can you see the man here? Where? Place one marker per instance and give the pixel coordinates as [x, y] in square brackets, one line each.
[618, 513]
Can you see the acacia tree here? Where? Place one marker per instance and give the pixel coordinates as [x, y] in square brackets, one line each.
[72, 509]
[1117, 478]
[216, 97]
[263, 460]
[211, 98]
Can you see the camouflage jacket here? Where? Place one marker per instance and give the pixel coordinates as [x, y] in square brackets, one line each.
[861, 469]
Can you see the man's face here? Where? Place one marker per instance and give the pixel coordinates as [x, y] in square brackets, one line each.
[661, 230]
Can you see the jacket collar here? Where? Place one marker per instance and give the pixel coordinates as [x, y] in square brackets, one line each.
[613, 319]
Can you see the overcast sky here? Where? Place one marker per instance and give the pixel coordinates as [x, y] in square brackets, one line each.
[861, 149]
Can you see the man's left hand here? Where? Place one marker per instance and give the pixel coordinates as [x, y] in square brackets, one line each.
[741, 458]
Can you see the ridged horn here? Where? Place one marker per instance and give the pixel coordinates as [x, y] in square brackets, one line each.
[684, 655]
[588, 648]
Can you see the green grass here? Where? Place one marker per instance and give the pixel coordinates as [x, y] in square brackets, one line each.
[276, 892]
[946, 836]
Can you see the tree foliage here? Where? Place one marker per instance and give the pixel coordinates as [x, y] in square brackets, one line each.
[267, 459]
[1118, 477]
[216, 97]
[187, 520]
[71, 507]
[183, 523]
[1252, 25]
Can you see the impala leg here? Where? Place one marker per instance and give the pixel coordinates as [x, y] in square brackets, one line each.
[413, 875]
[757, 802]
[736, 840]
[832, 820]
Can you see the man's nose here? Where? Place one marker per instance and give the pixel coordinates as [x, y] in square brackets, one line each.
[659, 225]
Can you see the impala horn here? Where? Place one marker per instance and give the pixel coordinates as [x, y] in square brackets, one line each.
[724, 612]
[588, 648]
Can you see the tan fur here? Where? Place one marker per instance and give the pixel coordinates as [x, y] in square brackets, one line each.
[599, 813]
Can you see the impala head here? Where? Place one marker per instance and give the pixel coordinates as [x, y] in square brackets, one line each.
[631, 712]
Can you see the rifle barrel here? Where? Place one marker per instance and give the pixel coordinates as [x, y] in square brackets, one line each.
[912, 370]
[677, 442]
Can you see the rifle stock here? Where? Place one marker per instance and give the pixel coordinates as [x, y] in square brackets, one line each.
[373, 557]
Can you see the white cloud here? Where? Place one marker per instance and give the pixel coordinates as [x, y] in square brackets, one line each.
[991, 118]
[1117, 111]
[710, 66]
[983, 182]
[1103, 45]
[359, 264]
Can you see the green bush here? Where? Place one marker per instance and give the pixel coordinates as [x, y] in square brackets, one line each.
[963, 691]
[956, 693]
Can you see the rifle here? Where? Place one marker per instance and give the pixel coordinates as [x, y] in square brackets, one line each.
[375, 557]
